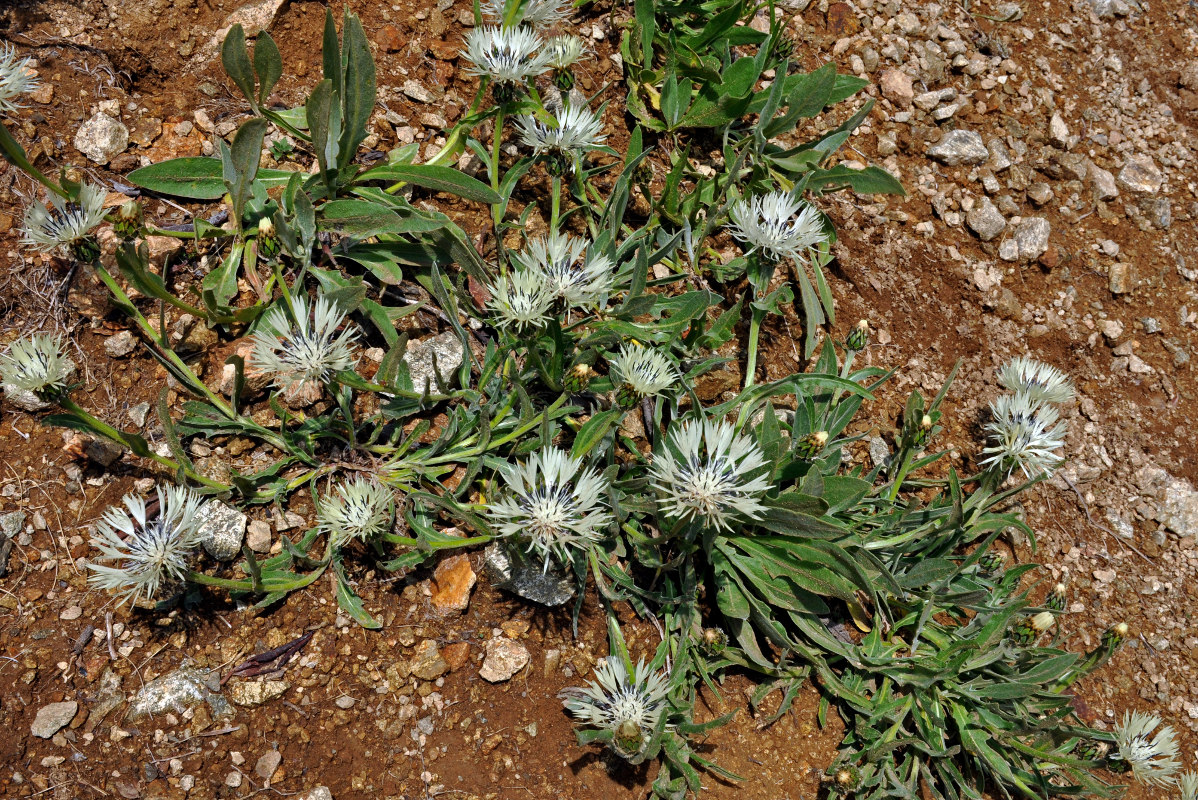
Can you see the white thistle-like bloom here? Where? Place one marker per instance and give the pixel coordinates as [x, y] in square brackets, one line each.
[1040, 382]
[577, 130]
[67, 224]
[15, 78]
[1024, 434]
[507, 55]
[1189, 786]
[358, 509]
[559, 258]
[521, 299]
[701, 474]
[1153, 760]
[553, 503]
[642, 372]
[310, 349]
[778, 224]
[36, 364]
[630, 706]
[537, 13]
[146, 553]
[563, 52]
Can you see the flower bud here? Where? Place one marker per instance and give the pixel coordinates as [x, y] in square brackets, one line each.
[628, 738]
[85, 249]
[811, 445]
[1056, 598]
[1030, 628]
[563, 79]
[925, 428]
[859, 337]
[128, 220]
[1090, 750]
[992, 563]
[269, 244]
[578, 378]
[714, 641]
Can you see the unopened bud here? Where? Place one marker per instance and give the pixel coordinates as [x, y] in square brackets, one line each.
[925, 428]
[1056, 598]
[269, 243]
[628, 739]
[128, 220]
[1030, 628]
[859, 337]
[578, 378]
[85, 249]
[714, 641]
[992, 563]
[564, 79]
[811, 445]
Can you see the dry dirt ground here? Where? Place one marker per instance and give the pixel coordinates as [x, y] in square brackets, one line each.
[1092, 106]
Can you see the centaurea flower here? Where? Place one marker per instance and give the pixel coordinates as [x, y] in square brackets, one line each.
[553, 504]
[629, 706]
[576, 130]
[521, 299]
[68, 225]
[15, 78]
[1040, 382]
[508, 56]
[1152, 760]
[702, 475]
[536, 13]
[640, 372]
[36, 364]
[148, 553]
[559, 258]
[306, 349]
[1024, 434]
[358, 509]
[1189, 785]
[778, 225]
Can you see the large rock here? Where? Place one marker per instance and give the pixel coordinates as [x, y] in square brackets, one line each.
[985, 220]
[53, 718]
[176, 691]
[222, 529]
[101, 138]
[896, 87]
[510, 569]
[1140, 174]
[1176, 501]
[959, 147]
[438, 354]
[504, 659]
[1032, 237]
[452, 582]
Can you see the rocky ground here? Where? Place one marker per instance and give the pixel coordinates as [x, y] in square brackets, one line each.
[1047, 153]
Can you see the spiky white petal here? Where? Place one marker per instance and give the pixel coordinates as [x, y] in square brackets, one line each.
[15, 78]
[507, 55]
[36, 364]
[575, 131]
[67, 223]
[644, 370]
[358, 509]
[1153, 760]
[1189, 785]
[521, 299]
[702, 475]
[563, 52]
[1040, 382]
[540, 14]
[308, 349]
[1024, 434]
[778, 224]
[630, 707]
[553, 504]
[146, 554]
[559, 259]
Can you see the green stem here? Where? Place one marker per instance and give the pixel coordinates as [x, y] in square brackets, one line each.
[557, 204]
[754, 333]
[496, 210]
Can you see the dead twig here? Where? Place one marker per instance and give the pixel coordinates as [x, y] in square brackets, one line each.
[266, 662]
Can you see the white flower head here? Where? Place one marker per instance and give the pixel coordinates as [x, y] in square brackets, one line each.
[310, 349]
[576, 131]
[36, 364]
[702, 475]
[563, 52]
[1189, 785]
[15, 78]
[507, 55]
[630, 706]
[559, 260]
[68, 224]
[1024, 434]
[146, 553]
[540, 14]
[552, 503]
[1153, 760]
[521, 299]
[778, 224]
[358, 509]
[640, 372]
[1040, 382]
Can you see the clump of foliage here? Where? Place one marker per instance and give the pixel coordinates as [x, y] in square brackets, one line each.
[736, 522]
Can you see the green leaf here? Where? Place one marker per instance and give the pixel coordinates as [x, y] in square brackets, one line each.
[440, 179]
[871, 180]
[236, 60]
[358, 90]
[240, 163]
[220, 285]
[331, 51]
[593, 431]
[196, 178]
[360, 218]
[268, 64]
[350, 602]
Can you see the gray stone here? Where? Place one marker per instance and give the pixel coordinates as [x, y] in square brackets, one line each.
[1110, 8]
[985, 220]
[176, 691]
[103, 452]
[258, 536]
[1008, 250]
[941, 113]
[439, 354]
[102, 138]
[879, 451]
[1159, 211]
[268, 762]
[256, 693]
[929, 100]
[1000, 157]
[417, 91]
[24, 399]
[1031, 237]
[504, 659]
[1140, 174]
[510, 569]
[120, 344]
[52, 718]
[1176, 504]
[222, 529]
[1039, 193]
[1121, 281]
[959, 147]
[1103, 183]
[319, 793]
[11, 524]
[1058, 132]
[138, 414]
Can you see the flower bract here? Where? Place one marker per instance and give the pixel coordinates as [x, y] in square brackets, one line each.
[1153, 759]
[778, 225]
[1024, 434]
[630, 706]
[305, 346]
[36, 364]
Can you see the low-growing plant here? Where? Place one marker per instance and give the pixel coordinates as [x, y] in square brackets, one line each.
[572, 433]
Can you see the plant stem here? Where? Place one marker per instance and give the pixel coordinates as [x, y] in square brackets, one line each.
[754, 333]
[556, 210]
[498, 140]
